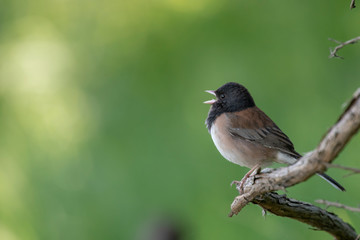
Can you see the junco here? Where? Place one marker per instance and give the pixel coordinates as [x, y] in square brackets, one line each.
[245, 135]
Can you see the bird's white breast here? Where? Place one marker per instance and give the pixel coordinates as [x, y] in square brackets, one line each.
[227, 147]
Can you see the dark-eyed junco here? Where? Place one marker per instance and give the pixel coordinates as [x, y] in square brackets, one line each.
[245, 135]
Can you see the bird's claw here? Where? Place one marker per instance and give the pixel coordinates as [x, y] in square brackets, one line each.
[235, 182]
[239, 185]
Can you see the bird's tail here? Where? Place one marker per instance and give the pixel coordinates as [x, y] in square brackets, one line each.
[330, 180]
[324, 176]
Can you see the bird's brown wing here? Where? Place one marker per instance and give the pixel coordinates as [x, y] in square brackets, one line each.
[255, 126]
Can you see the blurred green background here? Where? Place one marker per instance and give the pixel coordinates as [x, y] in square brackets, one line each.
[102, 120]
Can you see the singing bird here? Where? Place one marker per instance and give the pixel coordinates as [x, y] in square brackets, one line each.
[245, 135]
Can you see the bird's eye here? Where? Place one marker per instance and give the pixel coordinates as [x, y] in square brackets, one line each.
[222, 96]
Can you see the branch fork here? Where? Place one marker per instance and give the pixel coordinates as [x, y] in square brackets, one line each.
[260, 186]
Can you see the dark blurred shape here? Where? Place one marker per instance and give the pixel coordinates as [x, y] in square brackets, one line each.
[164, 228]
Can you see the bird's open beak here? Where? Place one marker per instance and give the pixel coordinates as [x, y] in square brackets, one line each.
[212, 101]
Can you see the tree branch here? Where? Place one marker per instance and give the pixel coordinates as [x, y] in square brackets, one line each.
[352, 170]
[333, 53]
[307, 213]
[328, 149]
[352, 4]
[338, 205]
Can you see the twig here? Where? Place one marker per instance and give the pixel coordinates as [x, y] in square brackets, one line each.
[352, 4]
[338, 205]
[307, 213]
[328, 149]
[333, 53]
[353, 170]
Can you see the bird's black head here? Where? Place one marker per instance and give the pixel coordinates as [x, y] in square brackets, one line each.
[231, 97]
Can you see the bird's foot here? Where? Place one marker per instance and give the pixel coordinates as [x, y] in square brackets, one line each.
[239, 185]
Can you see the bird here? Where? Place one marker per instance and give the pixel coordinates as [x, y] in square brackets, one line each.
[245, 135]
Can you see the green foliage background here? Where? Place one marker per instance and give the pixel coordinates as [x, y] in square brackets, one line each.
[102, 121]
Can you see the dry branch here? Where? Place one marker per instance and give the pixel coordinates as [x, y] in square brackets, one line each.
[338, 205]
[352, 4]
[352, 170]
[330, 146]
[333, 52]
[307, 213]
